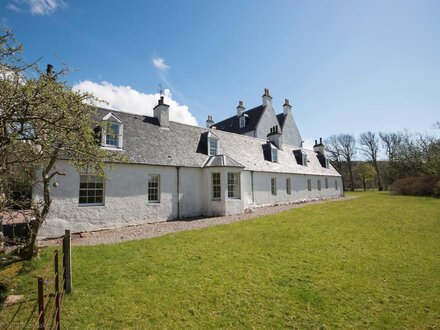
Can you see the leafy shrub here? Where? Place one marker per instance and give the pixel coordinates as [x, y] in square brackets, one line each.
[417, 186]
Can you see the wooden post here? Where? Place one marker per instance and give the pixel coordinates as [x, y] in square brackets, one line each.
[41, 324]
[57, 292]
[67, 262]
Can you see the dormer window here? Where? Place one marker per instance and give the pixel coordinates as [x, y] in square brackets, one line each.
[304, 159]
[213, 146]
[300, 157]
[274, 155]
[112, 132]
[242, 121]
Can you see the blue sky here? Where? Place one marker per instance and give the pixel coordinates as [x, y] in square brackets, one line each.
[346, 66]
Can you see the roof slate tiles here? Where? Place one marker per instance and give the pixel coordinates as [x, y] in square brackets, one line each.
[145, 142]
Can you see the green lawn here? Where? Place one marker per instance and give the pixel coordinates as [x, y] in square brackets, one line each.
[369, 262]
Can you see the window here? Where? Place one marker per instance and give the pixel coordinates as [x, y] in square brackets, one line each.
[304, 159]
[336, 184]
[319, 185]
[309, 185]
[326, 183]
[216, 186]
[327, 163]
[242, 121]
[273, 186]
[21, 130]
[213, 146]
[274, 154]
[91, 189]
[112, 132]
[112, 135]
[153, 188]
[288, 186]
[234, 185]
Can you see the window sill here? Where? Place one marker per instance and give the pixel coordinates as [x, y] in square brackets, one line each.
[112, 148]
[91, 204]
[153, 202]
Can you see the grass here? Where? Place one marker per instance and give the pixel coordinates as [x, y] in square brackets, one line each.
[370, 262]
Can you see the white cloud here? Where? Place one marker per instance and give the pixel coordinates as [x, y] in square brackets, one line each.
[37, 7]
[127, 99]
[159, 63]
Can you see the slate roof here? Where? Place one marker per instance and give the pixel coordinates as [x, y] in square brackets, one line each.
[222, 161]
[145, 142]
[232, 124]
[281, 118]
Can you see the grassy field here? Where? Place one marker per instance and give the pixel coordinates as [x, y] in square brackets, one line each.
[370, 262]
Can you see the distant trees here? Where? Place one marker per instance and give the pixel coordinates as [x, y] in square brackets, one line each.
[388, 157]
[370, 148]
[342, 147]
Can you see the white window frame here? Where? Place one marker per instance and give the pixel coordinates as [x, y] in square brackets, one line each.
[327, 163]
[234, 185]
[273, 186]
[216, 184]
[151, 181]
[212, 139]
[242, 121]
[274, 151]
[288, 186]
[91, 179]
[108, 120]
[304, 159]
[309, 184]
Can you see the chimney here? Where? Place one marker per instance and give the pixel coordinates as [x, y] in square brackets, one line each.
[209, 122]
[276, 137]
[161, 112]
[49, 70]
[287, 108]
[267, 99]
[319, 148]
[240, 108]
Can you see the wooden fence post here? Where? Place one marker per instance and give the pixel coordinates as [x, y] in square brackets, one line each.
[67, 262]
[57, 292]
[41, 324]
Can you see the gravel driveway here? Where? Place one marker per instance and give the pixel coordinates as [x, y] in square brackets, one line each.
[117, 235]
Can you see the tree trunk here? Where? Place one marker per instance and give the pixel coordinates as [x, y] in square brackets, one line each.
[364, 182]
[350, 169]
[379, 181]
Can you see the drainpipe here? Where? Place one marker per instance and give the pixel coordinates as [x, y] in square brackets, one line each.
[252, 186]
[178, 192]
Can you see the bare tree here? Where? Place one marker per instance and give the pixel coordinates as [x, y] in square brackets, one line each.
[333, 150]
[391, 143]
[370, 148]
[347, 146]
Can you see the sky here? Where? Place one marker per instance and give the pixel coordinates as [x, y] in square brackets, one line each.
[346, 66]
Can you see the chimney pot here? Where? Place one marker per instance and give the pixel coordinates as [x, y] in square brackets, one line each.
[49, 70]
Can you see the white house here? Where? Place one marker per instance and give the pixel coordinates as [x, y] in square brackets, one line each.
[177, 171]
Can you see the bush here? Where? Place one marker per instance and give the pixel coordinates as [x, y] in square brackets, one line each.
[417, 186]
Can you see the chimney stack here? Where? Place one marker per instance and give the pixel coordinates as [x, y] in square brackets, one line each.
[161, 112]
[267, 99]
[319, 148]
[240, 108]
[209, 122]
[49, 70]
[287, 108]
[276, 137]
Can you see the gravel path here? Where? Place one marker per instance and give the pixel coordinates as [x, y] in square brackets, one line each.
[117, 235]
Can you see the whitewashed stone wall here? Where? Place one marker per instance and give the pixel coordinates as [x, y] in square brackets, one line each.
[126, 196]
